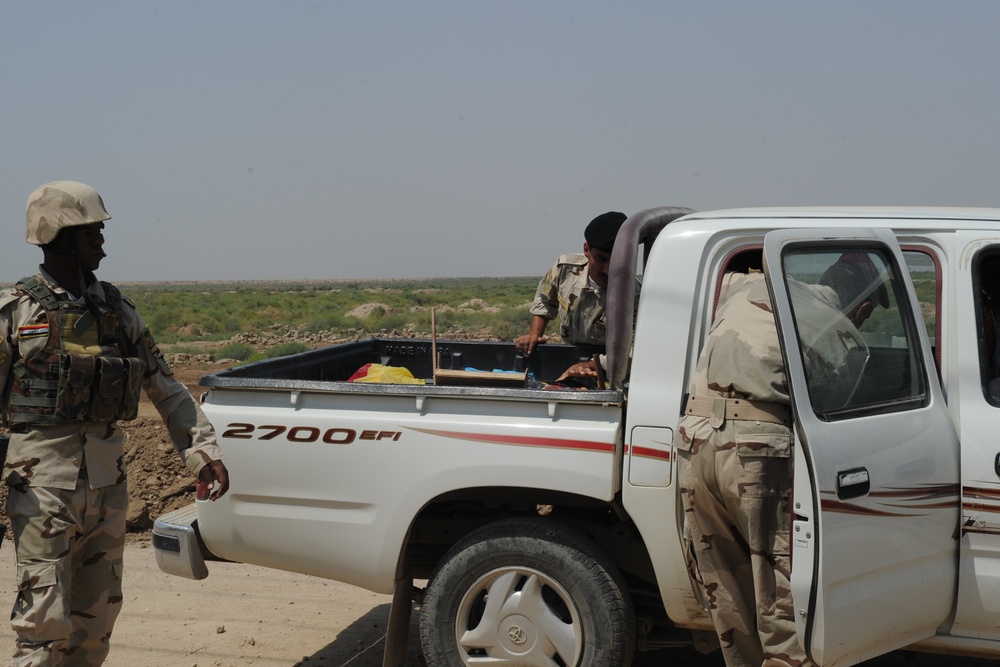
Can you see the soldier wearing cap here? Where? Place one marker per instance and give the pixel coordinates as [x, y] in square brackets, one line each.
[74, 355]
[734, 445]
[575, 290]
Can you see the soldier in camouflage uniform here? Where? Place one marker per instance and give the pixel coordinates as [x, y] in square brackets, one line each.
[735, 451]
[575, 290]
[74, 354]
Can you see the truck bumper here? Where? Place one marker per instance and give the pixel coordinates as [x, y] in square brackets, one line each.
[177, 546]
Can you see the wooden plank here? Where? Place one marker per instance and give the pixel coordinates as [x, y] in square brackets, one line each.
[479, 378]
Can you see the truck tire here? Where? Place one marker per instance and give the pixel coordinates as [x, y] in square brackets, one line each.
[527, 592]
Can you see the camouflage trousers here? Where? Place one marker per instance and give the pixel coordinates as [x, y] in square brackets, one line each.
[735, 483]
[69, 546]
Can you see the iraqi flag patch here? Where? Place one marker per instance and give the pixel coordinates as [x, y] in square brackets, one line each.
[33, 331]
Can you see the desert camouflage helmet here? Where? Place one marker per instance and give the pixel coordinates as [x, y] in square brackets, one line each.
[60, 204]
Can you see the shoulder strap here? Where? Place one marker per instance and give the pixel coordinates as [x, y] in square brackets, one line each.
[112, 296]
[39, 291]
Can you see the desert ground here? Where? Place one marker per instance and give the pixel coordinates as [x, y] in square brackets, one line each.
[245, 615]
[242, 615]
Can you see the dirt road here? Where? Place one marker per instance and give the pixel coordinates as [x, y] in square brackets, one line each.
[244, 615]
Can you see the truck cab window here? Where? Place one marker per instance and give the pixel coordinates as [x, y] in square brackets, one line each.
[860, 350]
[744, 260]
[986, 283]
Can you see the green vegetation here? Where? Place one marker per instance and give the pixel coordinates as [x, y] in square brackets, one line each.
[285, 349]
[237, 351]
[183, 315]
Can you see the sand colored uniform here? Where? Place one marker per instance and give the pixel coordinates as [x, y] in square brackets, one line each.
[567, 293]
[69, 374]
[735, 461]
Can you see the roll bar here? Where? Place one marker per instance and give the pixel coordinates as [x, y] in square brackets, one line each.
[642, 227]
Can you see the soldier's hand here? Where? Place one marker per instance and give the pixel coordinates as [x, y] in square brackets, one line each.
[582, 369]
[213, 481]
[526, 344]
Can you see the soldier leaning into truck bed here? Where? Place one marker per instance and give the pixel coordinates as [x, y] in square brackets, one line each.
[575, 290]
[734, 446]
[74, 354]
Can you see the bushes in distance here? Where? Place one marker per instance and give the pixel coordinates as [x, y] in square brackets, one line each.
[180, 313]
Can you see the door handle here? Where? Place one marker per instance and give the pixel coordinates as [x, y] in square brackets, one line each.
[855, 482]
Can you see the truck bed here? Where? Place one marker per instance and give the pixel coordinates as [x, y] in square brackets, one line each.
[328, 369]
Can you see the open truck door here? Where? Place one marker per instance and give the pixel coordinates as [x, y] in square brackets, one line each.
[876, 505]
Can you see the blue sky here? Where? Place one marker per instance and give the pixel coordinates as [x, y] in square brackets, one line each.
[309, 140]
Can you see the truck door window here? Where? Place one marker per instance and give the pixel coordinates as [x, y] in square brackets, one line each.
[925, 274]
[986, 283]
[860, 350]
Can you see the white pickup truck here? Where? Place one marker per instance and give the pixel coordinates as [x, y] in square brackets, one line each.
[543, 524]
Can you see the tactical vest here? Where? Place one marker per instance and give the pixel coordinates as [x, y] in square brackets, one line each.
[87, 370]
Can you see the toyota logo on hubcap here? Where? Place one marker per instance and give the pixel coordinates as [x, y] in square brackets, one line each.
[516, 634]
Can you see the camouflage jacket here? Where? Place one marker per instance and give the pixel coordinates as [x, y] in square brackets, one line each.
[54, 455]
[742, 356]
[565, 291]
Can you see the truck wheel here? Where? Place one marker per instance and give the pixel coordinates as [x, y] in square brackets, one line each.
[527, 592]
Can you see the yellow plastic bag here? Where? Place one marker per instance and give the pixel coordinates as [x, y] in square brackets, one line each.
[389, 375]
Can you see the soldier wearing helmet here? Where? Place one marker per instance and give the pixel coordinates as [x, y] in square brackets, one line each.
[74, 356]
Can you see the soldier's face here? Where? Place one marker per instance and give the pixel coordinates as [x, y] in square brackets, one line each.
[598, 263]
[88, 243]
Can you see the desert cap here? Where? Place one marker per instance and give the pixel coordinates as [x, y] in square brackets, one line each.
[854, 277]
[602, 230]
[60, 204]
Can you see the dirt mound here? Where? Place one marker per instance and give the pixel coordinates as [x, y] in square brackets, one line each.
[158, 481]
[366, 309]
